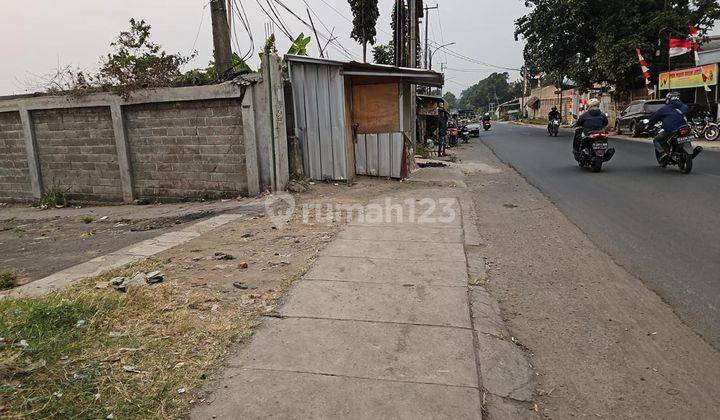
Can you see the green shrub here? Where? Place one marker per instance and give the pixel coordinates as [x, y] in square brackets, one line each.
[8, 280]
[55, 195]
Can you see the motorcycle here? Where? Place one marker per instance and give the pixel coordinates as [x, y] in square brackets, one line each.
[594, 151]
[705, 128]
[486, 125]
[682, 152]
[464, 134]
[453, 137]
[554, 128]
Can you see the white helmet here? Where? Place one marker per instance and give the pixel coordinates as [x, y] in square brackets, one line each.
[594, 103]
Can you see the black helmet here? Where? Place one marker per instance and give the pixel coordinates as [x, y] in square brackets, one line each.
[554, 108]
[672, 96]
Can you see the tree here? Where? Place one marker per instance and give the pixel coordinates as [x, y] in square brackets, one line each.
[493, 89]
[450, 100]
[594, 41]
[384, 54]
[365, 14]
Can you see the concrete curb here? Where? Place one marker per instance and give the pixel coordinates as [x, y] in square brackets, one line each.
[507, 377]
[118, 259]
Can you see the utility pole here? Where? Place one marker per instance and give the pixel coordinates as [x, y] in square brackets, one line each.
[221, 37]
[413, 63]
[400, 33]
[412, 51]
[427, 20]
[230, 15]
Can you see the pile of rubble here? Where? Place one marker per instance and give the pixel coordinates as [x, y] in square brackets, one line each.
[122, 284]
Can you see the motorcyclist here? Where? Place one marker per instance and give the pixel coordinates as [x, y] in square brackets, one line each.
[486, 117]
[590, 121]
[553, 115]
[672, 117]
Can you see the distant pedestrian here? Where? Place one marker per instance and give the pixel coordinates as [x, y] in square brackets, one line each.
[443, 118]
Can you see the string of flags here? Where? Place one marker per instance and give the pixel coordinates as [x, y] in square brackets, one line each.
[646, 72]
[677, 47]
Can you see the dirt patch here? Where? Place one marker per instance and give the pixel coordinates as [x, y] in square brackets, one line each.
[146, 353]
[72, 237]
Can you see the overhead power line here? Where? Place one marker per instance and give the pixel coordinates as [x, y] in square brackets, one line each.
[343, 50]
[461, 56]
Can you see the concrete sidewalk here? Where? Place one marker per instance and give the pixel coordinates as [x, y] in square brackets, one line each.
[380, 327]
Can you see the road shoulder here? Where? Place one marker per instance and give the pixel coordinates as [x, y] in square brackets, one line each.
[602, 343]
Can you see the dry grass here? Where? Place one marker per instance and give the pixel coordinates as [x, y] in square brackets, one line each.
[70, 371]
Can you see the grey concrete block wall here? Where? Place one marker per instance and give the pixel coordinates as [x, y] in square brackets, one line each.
[14, 173]
[76, 149]
[186, 150]
[162, 144]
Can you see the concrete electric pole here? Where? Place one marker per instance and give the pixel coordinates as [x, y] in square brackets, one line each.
[221, 37]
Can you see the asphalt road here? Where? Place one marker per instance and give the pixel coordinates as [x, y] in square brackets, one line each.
[661, 225]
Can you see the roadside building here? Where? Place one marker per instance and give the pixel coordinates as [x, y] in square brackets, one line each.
[427, 112]
[355, 118]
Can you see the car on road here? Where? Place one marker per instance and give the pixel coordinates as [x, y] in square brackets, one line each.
[474, 129]
[631, 119]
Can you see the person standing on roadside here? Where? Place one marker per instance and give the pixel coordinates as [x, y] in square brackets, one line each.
[443, 118]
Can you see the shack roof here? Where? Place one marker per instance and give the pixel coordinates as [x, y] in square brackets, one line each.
[401, 74]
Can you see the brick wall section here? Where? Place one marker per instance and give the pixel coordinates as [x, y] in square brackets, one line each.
[14, 174]
[76, 147]
[187, 150]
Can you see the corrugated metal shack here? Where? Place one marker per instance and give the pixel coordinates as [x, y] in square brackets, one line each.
[354, 118]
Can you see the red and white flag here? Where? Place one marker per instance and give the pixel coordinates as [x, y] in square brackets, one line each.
[646, 72]
[705, 82]
[695, 37]
[680, 46]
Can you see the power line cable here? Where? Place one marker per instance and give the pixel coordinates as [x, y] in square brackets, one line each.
[242, 15]
[344, 50]
[202, 20]
[461, 56]
[282, 24]
[273, 21]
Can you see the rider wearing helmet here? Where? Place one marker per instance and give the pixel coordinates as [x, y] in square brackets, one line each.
[553, 115]
[672, 116]
[590, 121]
[486, 117]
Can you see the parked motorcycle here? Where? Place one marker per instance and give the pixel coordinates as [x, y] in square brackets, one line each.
[464, 134]
[554, 128]
[705, 128]
[453, 137]
[682, 152]
[594, 151]
[486, 125]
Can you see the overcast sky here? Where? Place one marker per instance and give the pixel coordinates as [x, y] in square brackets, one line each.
[38, 35]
